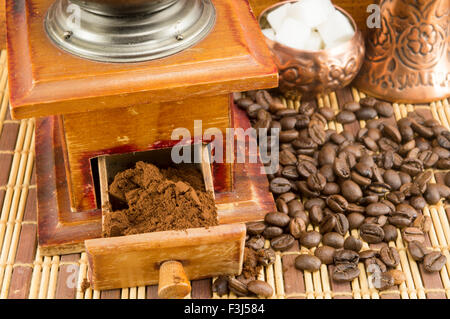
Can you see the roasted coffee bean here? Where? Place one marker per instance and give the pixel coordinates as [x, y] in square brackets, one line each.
[351, 106]
[410, 234]
[410, 189]
[316, 181]
[252, 110]
[333, 239]
[384, 109]
[277, 219]
[282, 242]
[392, 178]
[406, 210]
[280, 185]
[238, 287]
[366, 254]
[316, 215]
[378, 220]
[327, 112]
[390, 233]
[383, 281]
[366, 113]
[266, 256]
[288, 197]
[434, 261]
[379, 188]
[354, 208]
[260, 288]
[428, 158]
[369, 199]
[386, 144]
[288, 123]
[360, 180]
[290, 172]
[418, 202]
[306, 108]
[443, 163]
[374, 265]
[302, 215]
[256, 242]
[244, 103]
[263, 98]
[342, 225]
[325, 254]
[305, 190]
[307, 262]
[282, 206]
[377, 174]
[412, 166]
[398, 275]
[417, 250]
[341, 168]
[345, 117]
[287, 158]
[288, 136]
[296, 227]
[355, 220]
[368, 101]
[423, 222]
[344, 256]
[331, 189]
[345, 272]
[337, 203]
[272, 232]
[353, 243]
[327, 155]
[390, 256]
[294, 206]
[432, 194]
[351, 191]
[306, 168]
[377, 209]
[220, 286]
[423, 131]
[407, 132]
[255, 228]
[328, 224]
[395, 197]
[310, 239]
[392, 132]
[317, 133]
[302, 121]
[371, 233]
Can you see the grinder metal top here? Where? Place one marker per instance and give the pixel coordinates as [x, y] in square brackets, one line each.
[132, 31]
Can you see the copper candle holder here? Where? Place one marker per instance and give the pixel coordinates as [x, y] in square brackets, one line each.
[407, 58]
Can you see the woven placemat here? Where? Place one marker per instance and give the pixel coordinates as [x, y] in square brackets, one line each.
[24, 273]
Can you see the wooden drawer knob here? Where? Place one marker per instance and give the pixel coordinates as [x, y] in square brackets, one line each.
[173, 283]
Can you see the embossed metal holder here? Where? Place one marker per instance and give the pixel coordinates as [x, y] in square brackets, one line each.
[128, 31]
[308, 73]
[408, 58]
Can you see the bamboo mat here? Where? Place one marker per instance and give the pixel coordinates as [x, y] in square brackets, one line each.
[26, 274]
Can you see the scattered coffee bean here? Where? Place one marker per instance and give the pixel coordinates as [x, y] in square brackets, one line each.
[333, 239]
[371, 233]
[353, 243]
[260, 288]
[310, 239]
[417, 250]
[434, 261]
[325, 254]
[307, 262]
[282, 242]
[345, 272]
[410, 234]
[390, 256]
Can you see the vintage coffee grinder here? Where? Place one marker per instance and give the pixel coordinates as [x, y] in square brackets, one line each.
[107, 77]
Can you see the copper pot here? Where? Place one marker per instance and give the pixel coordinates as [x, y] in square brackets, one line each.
[407, 58]
[309, 73]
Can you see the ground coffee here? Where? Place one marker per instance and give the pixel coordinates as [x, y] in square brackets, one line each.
[159, 200]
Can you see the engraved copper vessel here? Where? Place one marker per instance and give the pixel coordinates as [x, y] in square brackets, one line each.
[407, 58]
[308, 73]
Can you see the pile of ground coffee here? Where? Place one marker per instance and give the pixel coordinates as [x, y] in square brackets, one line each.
[159, 200]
